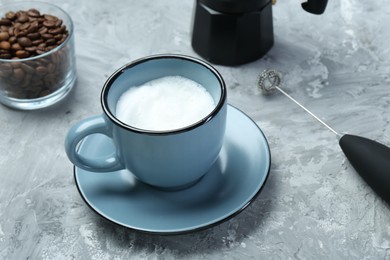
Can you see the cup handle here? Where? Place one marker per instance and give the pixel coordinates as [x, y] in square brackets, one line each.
[88, 126]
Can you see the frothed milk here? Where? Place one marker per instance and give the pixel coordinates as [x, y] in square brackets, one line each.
[165, 103]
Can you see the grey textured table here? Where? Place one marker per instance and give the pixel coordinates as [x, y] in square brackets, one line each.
[314, 205]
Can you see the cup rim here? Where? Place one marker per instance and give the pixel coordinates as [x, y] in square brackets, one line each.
[107, 85]
[69, 28]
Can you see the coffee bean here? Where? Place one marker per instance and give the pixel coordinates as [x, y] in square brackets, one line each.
[33, 27]
[33, 13]
[49, 48]
[10, 16]
[55, 31]
[31, 49]
[17, 24]
[11, 31]
[12, 39]
[43, 62]
[39, 51]
[5, 45]
[33, 36]
[4, 36]
[49, 17]
[40, 70]
[50, 42]
[28, 69]
[49, 23]
[40, 20]
[24, 42]
[19, 13]
[18, 73]
[20, 33]
[22, 54]
[16, 47]
[43, 30]
[5, 21]
[37, 42]
[24, 26]
[42, 46]
[58, 37]
[23, 18]
[47, 36]
[59, 42]
[58, 23]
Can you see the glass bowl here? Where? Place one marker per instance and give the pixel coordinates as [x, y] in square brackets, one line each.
[31, 82]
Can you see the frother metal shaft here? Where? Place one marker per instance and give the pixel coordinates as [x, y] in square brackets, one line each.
[307, 110]
[274, 80]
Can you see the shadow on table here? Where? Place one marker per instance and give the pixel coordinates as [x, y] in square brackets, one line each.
[226, 235]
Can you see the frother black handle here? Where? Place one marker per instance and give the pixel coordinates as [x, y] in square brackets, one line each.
[371, 160]
[315, 6]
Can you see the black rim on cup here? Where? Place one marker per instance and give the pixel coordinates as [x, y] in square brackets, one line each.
[117, 73]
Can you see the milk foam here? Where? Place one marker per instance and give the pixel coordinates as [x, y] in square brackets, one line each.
[165, 103]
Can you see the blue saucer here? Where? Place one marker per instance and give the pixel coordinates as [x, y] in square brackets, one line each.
[230, 186]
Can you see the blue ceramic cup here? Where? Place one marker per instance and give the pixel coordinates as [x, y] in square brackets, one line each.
[165, 159]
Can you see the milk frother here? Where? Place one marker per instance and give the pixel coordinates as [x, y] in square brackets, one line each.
[370, 159]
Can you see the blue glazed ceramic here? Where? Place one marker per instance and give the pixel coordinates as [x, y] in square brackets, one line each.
[166, 159]
[229, 186]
